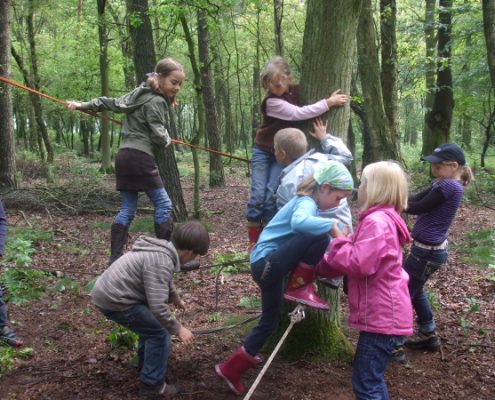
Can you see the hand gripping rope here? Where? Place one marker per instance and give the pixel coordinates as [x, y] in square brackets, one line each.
[13, 83]
[297, 315]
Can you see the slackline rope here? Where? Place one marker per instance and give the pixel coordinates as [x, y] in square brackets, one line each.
[13, 83]
[297, 315]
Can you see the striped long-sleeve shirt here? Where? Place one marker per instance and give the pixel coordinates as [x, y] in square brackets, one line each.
[141, 276]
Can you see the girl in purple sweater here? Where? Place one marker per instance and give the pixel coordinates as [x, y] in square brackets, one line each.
[436, 208]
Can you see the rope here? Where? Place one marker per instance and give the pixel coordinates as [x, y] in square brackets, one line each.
[223, 328]
[297, 315]
[13, 83]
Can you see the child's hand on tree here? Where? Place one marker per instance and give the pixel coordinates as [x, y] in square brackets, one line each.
[337, 99]
[185, 336]
[319, 128]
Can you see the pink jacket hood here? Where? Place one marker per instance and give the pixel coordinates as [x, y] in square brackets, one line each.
[372, 260]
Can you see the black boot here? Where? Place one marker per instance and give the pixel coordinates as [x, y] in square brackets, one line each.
[118, 240]
[164, 230]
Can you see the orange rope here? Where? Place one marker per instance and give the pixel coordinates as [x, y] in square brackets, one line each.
[13, 83]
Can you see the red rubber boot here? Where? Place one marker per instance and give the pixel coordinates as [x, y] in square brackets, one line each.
[254, 232]
[301, 288]
[232, 368]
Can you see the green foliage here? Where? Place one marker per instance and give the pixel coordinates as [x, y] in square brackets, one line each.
[214, 317]
[89, 286]
[250, 302]
[432, 298]
[8, 356]
[239, 263]
[146, 225]
[23, 285]
[19, 251]
[478, 248]
[122, 337]
[465, 320]
[67, 284]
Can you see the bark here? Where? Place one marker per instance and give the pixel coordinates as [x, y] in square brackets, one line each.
[328, 56]
[389, 73]
[439, 119]
[106, 163]
[489, 29]
[144, 62]
[278, 15]
[430, 70]
[217, 177]
[7, 145]
[380, 143]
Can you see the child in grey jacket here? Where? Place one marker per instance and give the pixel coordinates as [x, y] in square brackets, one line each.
[135, 291]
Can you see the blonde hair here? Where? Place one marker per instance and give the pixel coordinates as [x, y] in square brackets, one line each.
[292, 141]
[385, 183]
[463, 173]
[277, 67]
[163, 68]
[307, 187]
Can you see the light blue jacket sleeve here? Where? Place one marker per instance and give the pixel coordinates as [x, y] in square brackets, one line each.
[336, 149]
[304, 218]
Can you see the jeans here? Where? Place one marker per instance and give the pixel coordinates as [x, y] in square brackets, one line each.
[3, 310]
[269, 273]
[420, 265]
[373, 353]
[264, 183]
[128, 205]
[154, 341]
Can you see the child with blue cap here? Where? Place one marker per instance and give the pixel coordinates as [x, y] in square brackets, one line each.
[292, 242]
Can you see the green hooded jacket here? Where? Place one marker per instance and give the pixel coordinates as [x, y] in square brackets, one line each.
[146, 117]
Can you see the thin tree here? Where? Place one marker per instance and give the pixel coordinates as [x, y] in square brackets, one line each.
[278, 15]
[7, 145]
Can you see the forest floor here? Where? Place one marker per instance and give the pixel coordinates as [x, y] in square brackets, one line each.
[73, 359]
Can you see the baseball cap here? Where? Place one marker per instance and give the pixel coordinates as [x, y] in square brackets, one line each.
[333, 173]
[446, 152]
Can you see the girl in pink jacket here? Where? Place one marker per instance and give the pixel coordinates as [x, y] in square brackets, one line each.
[371, 258]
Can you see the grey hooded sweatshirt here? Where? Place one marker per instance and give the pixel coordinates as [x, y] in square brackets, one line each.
[146, 117]
[141, 276]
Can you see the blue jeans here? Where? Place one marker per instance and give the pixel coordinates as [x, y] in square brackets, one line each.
[154, 341]
[420, 265]
[373, 353]
[128, 205]
[269, 273]
[264, 183]
[3, 310]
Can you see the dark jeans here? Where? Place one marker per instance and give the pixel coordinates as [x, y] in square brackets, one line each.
[154, 341]
[269, 273]
[373, 353]
[3, 310]
[420, 265]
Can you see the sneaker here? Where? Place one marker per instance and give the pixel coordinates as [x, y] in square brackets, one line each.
[398, 355]
[424, 341]
[8, 337]
[163, 391]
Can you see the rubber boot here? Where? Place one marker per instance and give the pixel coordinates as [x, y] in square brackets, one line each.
[164, 230]
[9, 337]
[118, 240]
[254, 232]
[301, 288]
[232, 368]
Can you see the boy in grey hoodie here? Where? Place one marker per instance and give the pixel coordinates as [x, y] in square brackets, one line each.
[134, 292]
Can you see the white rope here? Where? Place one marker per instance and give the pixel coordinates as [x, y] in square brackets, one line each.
[297, 315]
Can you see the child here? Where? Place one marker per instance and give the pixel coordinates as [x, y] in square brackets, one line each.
[145, 127]
[290, 151]
[7, 335]
[280, 109]
[134, 292]
[377, 285]
[436, 208]
[293, 241]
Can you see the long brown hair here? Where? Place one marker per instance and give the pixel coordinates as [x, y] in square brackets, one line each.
[163, 68]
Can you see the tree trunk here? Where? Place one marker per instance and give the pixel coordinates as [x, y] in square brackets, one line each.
[7, 145]
[328, 56]
[439, 119]
[489, 29]
[278, 15]
[381, 145]
[430, 69]
[216, 165]
[144, 62]
[389, 73]
[106, 162]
